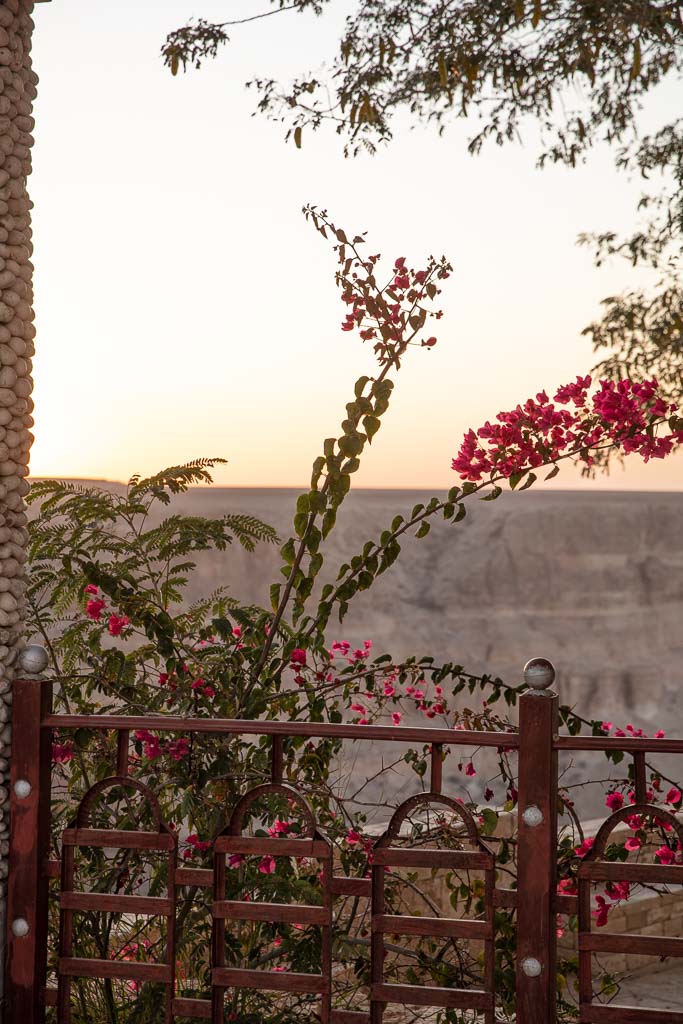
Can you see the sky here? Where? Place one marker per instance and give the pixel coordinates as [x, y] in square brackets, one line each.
[184, 308]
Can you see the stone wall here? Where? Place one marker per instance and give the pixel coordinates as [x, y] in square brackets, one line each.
[17, 92]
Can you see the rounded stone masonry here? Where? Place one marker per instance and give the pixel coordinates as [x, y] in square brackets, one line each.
[17, 332]
[32, 659]
[539, 675]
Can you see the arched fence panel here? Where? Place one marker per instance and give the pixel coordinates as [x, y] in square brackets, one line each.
[534, 903]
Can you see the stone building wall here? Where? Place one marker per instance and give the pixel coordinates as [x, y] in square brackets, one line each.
[17, 92]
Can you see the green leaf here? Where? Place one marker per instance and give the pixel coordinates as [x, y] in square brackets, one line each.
[359, 387]
[494, 493]
[287, 552]
[371, 425]
[275, 589]
[424, 529]
[528, 482]
[553, 472]
[490, 821]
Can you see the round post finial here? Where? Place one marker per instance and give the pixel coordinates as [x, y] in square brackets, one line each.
[33, 659]
[539, 675]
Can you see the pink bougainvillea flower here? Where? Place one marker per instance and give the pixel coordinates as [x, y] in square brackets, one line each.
[614, 801]
[618, 890]
[94, 608]
[396, 717]
[178, 749]
[235, 859]
[619, 413]
[606, 726]
[602, 911]
[298, 657]
[200, 845]
[352, 837]
[280, 828]
[62, 753]
[470, 769]
[673, 796]
[117, 623]
[585, 847]
[633, 843]
[91, 589]
[665, 855]
[267, 865]
[151, 747]
[660, 734]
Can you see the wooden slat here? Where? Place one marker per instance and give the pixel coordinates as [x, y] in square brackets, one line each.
[109, 903]
[349, 1017]
[269, 981]
[626, 743]
[238, 910]
[79, 967]
[201, 877]
[115, 839]
[192, 1008]
[420, 995]
[593, 1014]
[314, 730]
[443, 927]
[611, 871]
[505, 898]
[252, 845]
[400, 858]
[565, 904]
[52, 868]
[342, 886]
[49, 996]
[644, 945]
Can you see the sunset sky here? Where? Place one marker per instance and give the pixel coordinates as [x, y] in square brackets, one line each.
[185, 308]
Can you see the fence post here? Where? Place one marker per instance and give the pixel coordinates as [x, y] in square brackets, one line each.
[537, 850]
[27, 889]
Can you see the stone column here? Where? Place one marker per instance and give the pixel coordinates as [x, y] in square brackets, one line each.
[17, 92]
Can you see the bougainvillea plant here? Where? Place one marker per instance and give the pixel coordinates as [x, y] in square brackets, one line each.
[107, 582]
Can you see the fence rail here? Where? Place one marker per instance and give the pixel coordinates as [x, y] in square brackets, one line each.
[536, 901]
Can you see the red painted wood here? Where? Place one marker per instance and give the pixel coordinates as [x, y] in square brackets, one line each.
[113, 839]
[605, 871]
[428, 858]
[237, 727]
[110, 903]
[644, 945]
[276, 847]
[420, 995]
[200, 877]
[286, 913]
[536, 857]
[27, 886]
[270, 981]
[342, 886]
[82, 967]
[614, 1014]
[200, 1008]
[628, 744]
[446, 927]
